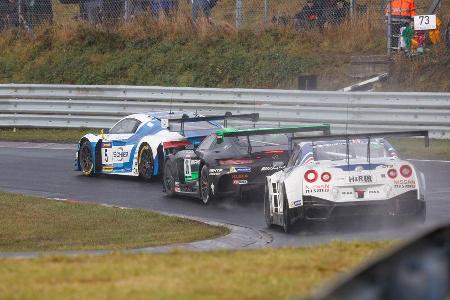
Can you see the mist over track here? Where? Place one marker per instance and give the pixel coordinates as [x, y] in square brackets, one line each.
[48, 170]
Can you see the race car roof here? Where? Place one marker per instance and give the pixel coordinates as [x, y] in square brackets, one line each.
[229, 132]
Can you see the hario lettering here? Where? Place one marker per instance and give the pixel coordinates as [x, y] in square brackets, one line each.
[360, 178]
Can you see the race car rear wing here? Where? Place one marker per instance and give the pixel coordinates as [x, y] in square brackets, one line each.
[368, 136]
[372, 135]
[253, 117]
[228, 132]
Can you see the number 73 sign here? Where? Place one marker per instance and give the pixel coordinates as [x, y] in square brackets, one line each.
[425, 22]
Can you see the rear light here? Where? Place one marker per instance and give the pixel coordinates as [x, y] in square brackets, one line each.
[326, 176]
[406, 171]
[392, 173]
[274, 152]
[311, 176]
[228, 162]
[176, 144]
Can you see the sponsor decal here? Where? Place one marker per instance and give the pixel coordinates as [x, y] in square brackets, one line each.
[298, 203]
[240, 181]
[107, 168]
[278, 164]
[194, 177]
[374, 192]
[190, 175]
[215, 172]
[177, 189]
[360, 179]
[187, 168]
[212, 188]
[318, 188]
[240, 170]
[195, 161]
[347, 193]
[120, 155]
[111, 155]
[274, 168]
[405, 184]
[239, 176]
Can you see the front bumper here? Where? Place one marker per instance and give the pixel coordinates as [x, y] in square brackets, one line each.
[406, 204]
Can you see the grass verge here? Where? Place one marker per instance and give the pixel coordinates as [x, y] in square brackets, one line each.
[36, 224]
[415, 148]
[259, 274]
[45, 135]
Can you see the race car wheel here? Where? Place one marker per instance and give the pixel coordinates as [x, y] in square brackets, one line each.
[169, 180]
[204, 186]
[267, 215]
[145, 163]
[421, 215]
[86, 159]
[286, 217]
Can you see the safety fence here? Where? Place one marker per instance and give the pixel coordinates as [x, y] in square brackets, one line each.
[75, 106]
[255, 14]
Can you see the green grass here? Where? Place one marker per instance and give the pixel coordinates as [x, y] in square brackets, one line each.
[36, 224]
[149, 52]
[45, 135]
[258, 274]
[415, 148]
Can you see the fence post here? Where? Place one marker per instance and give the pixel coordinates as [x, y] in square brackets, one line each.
[352, 7]
[266, 11]
[238, 13]
[389, 29]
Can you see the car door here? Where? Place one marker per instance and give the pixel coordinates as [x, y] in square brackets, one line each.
[117, 152]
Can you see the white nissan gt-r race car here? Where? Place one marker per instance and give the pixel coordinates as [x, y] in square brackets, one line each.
[342, 176]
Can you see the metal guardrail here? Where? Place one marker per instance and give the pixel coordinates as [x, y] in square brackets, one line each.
[74, 106]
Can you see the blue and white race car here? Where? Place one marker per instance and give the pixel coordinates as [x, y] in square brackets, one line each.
[135, 145]
[343, 176]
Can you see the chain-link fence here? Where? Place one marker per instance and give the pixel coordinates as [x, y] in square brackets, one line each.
[254, 14]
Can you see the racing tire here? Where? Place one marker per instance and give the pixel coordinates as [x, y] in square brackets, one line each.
[286, 216]
[267, 215]
[421, 215]
[145, 163]
[204, 186]
[169, 180]
[86, 159]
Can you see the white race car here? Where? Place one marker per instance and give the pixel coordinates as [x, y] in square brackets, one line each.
[137, 144]
[342, 176]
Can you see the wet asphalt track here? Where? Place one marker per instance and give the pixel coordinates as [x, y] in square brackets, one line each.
[47, 170]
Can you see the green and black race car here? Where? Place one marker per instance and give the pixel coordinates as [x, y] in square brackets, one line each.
[230, 162]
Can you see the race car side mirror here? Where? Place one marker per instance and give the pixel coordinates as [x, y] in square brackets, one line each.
[219, 139]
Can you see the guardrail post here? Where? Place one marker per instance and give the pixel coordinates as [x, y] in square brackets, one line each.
[238, 13]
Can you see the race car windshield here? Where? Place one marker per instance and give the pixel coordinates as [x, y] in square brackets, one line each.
[203, 125]
[260, 143]
[357, 150]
